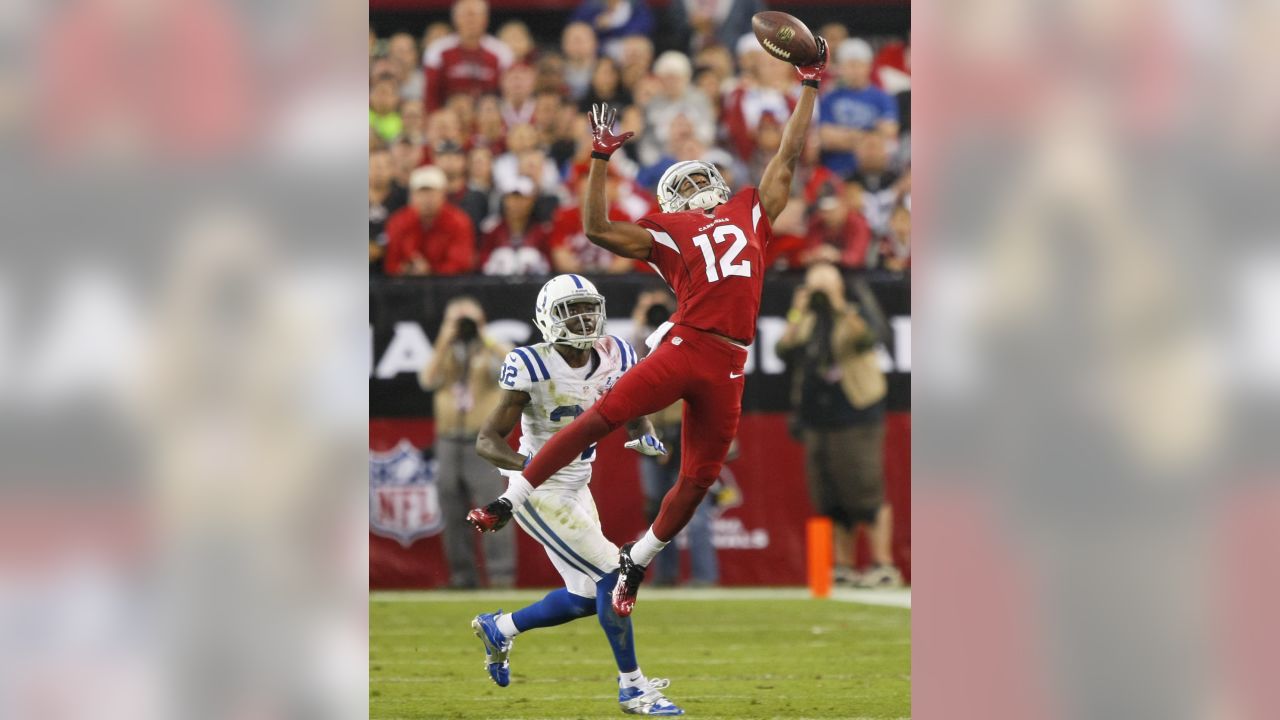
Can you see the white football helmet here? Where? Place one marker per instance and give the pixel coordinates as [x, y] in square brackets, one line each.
[705, 195]
[552, 314]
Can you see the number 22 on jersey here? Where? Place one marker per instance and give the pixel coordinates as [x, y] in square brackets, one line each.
[727, 264]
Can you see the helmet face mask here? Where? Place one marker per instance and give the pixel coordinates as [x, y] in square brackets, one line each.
[679, 179]
[570, 312]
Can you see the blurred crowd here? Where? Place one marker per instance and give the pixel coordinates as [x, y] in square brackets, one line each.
[479, 142]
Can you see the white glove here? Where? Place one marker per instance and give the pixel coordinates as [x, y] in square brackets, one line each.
[647, 445]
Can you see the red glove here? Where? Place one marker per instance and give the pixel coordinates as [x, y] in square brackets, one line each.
[811, 73]
[603, 140]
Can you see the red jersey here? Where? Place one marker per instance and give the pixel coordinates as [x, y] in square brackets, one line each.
[567, 232]
[853, 239]
[714, 263]
[447, 244]
[454, 70]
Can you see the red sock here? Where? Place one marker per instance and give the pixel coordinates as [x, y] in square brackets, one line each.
[565, 446]
[679, 506]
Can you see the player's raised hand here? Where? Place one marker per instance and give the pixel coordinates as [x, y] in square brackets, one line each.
[811, 73]
[603, 140]
[647, 445]
[491, 517]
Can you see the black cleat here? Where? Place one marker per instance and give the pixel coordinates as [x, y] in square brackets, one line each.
[630, 575]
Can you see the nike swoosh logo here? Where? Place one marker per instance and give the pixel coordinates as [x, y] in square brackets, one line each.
[734, 376]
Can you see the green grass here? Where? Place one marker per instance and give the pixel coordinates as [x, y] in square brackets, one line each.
[735, 658]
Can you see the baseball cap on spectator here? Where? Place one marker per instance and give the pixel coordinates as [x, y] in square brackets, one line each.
[747, 44]
[673, 62]
[521, 186]
[854, 49]
[428, 177]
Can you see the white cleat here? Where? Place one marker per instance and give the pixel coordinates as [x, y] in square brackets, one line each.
[648, 699]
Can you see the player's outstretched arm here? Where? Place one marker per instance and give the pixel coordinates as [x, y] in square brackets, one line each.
[491, 444]
[775, 184]
[620, 238]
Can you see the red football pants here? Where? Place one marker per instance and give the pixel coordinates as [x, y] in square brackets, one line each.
[703, 370]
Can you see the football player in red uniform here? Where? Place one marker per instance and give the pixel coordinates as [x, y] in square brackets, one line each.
[710, 248]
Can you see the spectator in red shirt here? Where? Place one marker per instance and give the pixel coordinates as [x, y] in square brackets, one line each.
[516, 245]
[790, 230]
[838, 235]
[762, 93]
[571, 251]
[468, 61]
[429, 236]
[891, 70]
[811, 176]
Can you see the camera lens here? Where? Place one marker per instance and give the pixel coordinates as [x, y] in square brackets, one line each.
[657, 314]
[819, 302]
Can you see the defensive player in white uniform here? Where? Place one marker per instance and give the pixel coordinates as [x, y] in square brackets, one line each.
[545, 386]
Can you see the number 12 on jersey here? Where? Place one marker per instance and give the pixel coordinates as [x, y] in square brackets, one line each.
[727, 265]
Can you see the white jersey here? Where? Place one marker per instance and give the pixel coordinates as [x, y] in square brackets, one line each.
[559, 393]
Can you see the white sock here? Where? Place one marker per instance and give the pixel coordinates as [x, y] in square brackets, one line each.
[646, 548]
[631, 679]
[518, 490]
[506, 625]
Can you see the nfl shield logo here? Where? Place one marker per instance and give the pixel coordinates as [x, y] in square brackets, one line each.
[404, 503]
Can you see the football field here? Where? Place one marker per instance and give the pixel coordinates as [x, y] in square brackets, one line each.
[729, 654]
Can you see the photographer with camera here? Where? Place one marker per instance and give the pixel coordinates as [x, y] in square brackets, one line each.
[460, 374]
[838, 391]
[658, 474]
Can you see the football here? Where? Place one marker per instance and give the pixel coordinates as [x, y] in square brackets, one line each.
[784, 37]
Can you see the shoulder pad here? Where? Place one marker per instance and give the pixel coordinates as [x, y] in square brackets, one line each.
[626, 353]
[522, 368]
